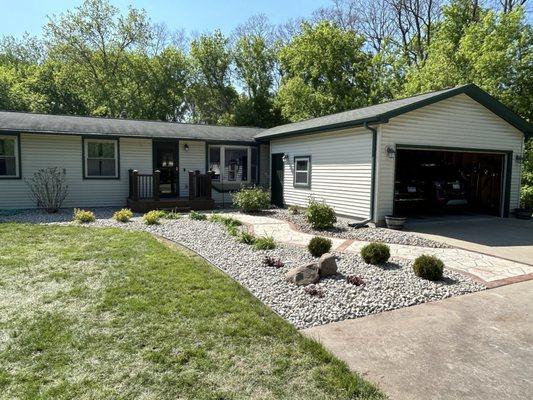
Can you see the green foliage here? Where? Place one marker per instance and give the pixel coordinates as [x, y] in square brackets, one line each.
[375, 253]
[246, 238]
[233, 230]
[123, 215]
[293, 210]
[526, 192]
[152, 217]
[320, 215]
[428, 267]
[83, 216]
[318, 246]
[171, 215]
[251, 199]
[195, 215]
[325, 70]
[264, 243]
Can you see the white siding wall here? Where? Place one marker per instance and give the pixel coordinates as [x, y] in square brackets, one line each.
[191, 160]
[341, 168]
[456, 122]
[41, 151]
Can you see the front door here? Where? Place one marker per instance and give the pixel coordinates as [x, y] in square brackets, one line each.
[166, 161]
[276, 183]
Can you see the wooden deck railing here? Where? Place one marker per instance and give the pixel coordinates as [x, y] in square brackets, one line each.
[199, 185]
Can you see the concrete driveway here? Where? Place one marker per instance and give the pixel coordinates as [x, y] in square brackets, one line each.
[477, 346]
[508, 238]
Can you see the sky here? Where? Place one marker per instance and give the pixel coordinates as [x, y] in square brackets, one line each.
[20, 16]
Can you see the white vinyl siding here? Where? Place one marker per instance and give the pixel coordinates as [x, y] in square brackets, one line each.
[192, 160]
[457, 122]
[341, 169]
[64, 151]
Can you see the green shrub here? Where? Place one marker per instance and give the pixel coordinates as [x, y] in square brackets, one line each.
[233, 230]
[123, 215]
[320, 215]
[375, 253]
[170, 215]
[428, 267]
[216, 218]
[526, 196]
[251, 199]
[195, 215]
[318, 246]
[293, 210]
[246, 238]
[264, 243]
[83, 216]
[152, 217]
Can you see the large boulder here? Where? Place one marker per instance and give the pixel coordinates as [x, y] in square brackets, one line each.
[303, 275]
[327, 265]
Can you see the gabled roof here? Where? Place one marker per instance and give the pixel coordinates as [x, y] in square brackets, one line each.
[74, 125]
[381, 113]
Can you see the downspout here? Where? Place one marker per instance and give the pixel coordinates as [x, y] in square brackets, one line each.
[373, 178]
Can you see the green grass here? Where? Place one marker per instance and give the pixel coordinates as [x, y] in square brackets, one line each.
[91, 313]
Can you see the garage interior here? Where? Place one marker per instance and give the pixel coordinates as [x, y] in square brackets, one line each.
[441, 182]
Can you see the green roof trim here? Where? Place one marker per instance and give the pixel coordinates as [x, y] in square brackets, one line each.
[381, 113]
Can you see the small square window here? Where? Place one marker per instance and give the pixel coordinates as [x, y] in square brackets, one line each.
[302, 171]
[9, 157]
[101, 158]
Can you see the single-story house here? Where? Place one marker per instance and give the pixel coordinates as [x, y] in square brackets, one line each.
[454, 147]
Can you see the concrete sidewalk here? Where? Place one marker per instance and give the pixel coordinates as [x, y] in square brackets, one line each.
[476, 346]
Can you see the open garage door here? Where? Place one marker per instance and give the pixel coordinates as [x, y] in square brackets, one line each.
[429, 182]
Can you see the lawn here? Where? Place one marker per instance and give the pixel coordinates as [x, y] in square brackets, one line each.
[92, 313]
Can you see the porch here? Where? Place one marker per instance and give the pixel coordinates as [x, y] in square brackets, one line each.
[145, 193]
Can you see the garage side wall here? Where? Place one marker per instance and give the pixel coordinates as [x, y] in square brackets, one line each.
[341, 169]
[457, 122]
[41, 151]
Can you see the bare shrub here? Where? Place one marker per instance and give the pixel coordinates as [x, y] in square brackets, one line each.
[48, 187]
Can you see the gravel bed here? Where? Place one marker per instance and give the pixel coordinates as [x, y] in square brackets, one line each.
[369, 234]
[386, 288]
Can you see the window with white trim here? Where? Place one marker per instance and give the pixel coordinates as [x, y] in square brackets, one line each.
[230, 163]
[9, 162]
[302, 171]
[101, 158]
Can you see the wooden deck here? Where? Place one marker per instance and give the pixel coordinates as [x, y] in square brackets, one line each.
[180, 204]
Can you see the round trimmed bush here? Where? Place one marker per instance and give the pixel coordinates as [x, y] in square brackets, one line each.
[375, 253]
[320, 215]
[318, 246]
[251, 200]
[428, 267]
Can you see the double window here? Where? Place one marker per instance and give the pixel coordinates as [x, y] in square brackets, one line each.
[232, 163]
[101, 158]
[9, 160]
[302, 171]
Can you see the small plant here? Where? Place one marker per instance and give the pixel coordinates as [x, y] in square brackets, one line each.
[272, 262]
[318, 246]
[83, 216]
[152, 217]
[233, 230]
[195, 215]
[355, 280]
[123, 215]
[320, 215]
[216, 218]
[264, 243]
[428, 267]
[171, 215]
[48, 187]
[246, 238]
[312, 290]
[251, 199]
[293, 210]
[375, 253]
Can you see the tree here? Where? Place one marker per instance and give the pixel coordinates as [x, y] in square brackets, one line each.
[325, 71]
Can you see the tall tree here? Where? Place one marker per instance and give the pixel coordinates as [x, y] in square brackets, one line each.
[325, 71]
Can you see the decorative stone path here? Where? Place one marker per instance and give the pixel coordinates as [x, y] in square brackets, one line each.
[490, 270]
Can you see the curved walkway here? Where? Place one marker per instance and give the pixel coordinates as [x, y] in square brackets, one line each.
[489, 270]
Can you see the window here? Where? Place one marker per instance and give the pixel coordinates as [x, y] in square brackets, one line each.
[230, 163]
[101, 158]
[302, 171]
[214, 162]
[9, 163]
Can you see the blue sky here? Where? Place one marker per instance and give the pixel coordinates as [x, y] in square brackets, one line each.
[19, 16]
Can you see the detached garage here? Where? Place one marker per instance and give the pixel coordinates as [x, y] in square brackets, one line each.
[455, 150]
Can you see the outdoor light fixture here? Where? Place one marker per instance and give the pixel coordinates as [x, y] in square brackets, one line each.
[391, 152]
[519, 158]
[186, 147]
[285, 158]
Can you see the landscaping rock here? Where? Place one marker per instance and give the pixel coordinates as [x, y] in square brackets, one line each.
[304, 275]
[327, 265]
